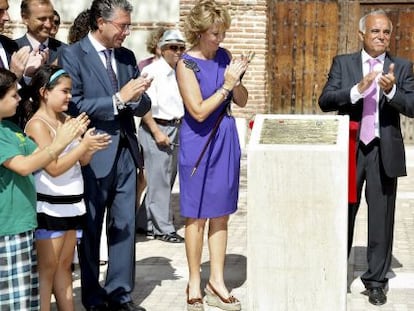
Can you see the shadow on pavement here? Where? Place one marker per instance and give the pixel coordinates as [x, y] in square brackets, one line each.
[234, 271]
[359, 264]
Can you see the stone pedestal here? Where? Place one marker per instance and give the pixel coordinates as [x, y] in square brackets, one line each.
[297, 213]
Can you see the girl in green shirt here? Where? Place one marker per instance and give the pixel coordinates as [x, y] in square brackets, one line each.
[19, 158]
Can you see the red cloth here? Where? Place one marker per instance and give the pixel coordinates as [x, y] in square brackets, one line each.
[251, 123]
[352, 180]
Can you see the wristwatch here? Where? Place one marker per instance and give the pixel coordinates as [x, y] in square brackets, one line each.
[119, 103]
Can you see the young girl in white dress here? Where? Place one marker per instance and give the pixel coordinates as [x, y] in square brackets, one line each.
[59, 186]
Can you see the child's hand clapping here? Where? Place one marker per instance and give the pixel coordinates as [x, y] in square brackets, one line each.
[95, 141]
[71, 129]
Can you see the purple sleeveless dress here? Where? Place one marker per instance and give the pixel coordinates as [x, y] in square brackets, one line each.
[213, 189]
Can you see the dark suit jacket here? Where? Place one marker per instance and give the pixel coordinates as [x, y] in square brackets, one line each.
[55, 47]
[9, 45]
[92, 93]
[345, 72]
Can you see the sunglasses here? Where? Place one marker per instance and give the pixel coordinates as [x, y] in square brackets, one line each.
[175, 48]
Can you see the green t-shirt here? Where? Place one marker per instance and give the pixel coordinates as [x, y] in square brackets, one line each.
[17, 193]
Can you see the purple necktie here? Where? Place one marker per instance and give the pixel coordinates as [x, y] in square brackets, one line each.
[110, 70]
[42, 47]
[367, 132]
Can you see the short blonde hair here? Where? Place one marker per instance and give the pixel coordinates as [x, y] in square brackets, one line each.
[202, 16]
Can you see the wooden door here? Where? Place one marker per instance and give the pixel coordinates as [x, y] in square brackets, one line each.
[303, 39]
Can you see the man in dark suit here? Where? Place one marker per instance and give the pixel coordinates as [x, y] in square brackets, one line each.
[374, 88]
[19, 61]
[105, 86]
[38, 16]
[10, 56]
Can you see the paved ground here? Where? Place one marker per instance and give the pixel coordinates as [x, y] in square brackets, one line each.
[401, 285]
[162, 272]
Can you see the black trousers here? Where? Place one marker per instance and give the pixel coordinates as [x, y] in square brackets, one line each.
[380, 194]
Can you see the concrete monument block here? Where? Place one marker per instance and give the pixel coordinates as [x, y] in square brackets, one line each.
[297, 196]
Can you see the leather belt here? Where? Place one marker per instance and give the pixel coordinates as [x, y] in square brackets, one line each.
[163, 122]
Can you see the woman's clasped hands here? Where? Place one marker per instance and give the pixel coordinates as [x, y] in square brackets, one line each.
[236, 69]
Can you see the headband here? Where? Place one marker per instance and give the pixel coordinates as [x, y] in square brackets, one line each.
[56, 75]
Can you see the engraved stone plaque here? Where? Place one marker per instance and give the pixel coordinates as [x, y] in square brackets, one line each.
[299, 131]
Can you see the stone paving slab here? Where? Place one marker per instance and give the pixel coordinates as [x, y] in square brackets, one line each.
[162, 274]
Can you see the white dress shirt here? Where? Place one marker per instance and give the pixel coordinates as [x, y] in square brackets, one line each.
[166, 101]
[4, 57]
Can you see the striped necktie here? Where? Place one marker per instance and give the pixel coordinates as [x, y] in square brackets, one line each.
[110, 70]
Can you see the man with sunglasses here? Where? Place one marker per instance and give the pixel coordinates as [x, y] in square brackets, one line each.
[158, 134]
[107, 86]
[38, 16]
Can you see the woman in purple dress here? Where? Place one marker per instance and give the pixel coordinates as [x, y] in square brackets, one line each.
[209, 160]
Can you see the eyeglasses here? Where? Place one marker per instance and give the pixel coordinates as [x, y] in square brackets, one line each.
[175, 48]
[122, 27]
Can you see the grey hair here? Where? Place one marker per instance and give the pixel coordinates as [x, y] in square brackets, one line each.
[362, 21]
[105, 9]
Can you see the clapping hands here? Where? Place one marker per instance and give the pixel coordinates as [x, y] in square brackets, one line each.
[236, 69]
[72, 128]
[135, 88]
[19, 61]
[387, 80]
[95, 141]
[36, 59]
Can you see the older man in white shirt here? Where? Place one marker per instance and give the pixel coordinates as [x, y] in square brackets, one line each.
[158, 134]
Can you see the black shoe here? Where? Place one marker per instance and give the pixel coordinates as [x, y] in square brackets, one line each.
[128, 306]
[377, 296]
[148, 233]
[171, 237]
[98, 308]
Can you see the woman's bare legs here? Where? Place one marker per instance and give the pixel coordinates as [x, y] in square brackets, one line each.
[217, 242]
[194, 234]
